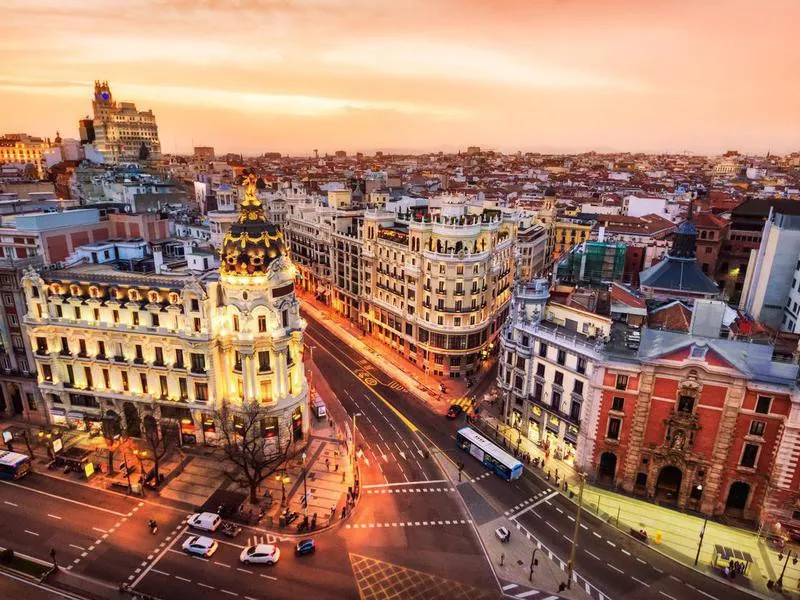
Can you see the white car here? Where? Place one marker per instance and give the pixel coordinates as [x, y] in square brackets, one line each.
[206, 521]
[502, 534]
[267, 554]
[200, 545]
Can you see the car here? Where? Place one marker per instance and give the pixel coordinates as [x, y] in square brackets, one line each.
[305, 547]
[455, 411]
[200, 546]
[266, 554]
[207, 521]
[502, 534]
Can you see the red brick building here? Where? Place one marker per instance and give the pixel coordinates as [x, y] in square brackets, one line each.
[712, 232]
[696, 421]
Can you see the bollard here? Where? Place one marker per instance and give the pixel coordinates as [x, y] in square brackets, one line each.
[502, 558]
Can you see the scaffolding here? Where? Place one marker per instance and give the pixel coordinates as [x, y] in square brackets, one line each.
[593, 263]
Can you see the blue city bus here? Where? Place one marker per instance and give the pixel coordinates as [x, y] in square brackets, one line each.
[14, 465]
[491, 455]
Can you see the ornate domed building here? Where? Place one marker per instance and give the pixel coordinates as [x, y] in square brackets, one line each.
[263, 340]
[131, 347]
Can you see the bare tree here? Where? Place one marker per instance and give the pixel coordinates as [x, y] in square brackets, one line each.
[157, 439]
[244, 437]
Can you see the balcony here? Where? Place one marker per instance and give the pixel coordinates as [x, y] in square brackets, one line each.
[139, 360]
[119, 359]
[196, 370]
[42, 352]
[159, 364]
[101, 357]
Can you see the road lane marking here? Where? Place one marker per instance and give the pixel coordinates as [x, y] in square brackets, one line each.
[597, 534]
[211, 587]
[706, 594]
[617, 569]
[659, 570]
[550, 525]
[84, 504]
[81, 548]
[644, 562]
[269, 577]
[530, 593]
[183, 579]
[625, 551]
[160, 572]
[610, 543]
[675, 578]
[509, 586]
[534, 505]
[53, 516]
[667, 595]
[592, 554]
[10, 503]
[222, 564]
[244, 570]
[584, 527]
[32, 533]
[640, 581]
[227, 592]
[100, 530]
[158, 558]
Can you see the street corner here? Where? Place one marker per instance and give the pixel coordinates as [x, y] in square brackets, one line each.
[524, 566]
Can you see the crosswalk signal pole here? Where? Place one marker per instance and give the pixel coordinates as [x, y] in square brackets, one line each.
[571, 563]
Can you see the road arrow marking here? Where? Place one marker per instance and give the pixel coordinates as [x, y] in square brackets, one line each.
[403, 454]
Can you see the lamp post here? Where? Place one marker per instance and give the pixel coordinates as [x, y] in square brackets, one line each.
[700, 541]
[305, 489]
[779, 582]
[571, 563]
[127, 470]
[310, 371]
[284, 480]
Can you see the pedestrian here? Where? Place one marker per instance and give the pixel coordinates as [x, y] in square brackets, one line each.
[336, 468]
[727, 573]
[328, 464]
[333, 512]
[344, 511]
[343, 475]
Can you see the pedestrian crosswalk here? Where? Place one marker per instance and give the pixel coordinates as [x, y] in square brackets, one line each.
[408, 490]
[408, 524]
[464, 402]
[264, 539]
[514, 590]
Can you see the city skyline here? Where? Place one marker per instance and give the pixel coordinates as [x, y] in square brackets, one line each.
[254, 76]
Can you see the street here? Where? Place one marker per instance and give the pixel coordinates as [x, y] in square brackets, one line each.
[412, 525]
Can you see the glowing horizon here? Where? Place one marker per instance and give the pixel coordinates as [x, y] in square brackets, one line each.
[293, 75]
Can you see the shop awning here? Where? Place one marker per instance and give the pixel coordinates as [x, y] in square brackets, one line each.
[58, 412]
[76, 415]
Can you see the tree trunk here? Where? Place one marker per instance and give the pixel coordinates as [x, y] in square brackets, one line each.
[254, 492]
[155, 469]
[110, 462]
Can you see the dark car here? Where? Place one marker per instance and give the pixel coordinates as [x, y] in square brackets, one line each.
[305, 547]
[455, 411]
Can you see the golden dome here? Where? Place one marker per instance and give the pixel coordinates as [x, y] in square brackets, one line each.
[252, 242]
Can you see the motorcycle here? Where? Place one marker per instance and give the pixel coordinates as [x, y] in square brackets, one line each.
[229, 529]
[303, 526]
[153, 526]
[289, 517]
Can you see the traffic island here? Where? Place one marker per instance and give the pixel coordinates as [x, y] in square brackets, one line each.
[25, 565]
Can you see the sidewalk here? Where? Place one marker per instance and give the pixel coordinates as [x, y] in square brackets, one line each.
[423, 385]
[673, 533]
[329, 476]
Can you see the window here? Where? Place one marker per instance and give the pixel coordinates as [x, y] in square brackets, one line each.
[115, 316]
[81, 347]
[65, 347]
[139, 354]
[12, 319]
[575, 411]
[757, 428]
[763, 404]
[31, 401]
[562, 357]
[622, 382]
[525, 340]
[236, 322]
[154, 320]
[262, 324]
[8, 299]
[197, 327]
[125, 383]
[749, 456]
[59, 313]
[135, 318]
[518, 383]
[162, 380]
[542, 349]
[613, 429]
[70, 374]
[179, 359]
[87, 373]
[581, 368]
[159, 356]
[578, 388]
[198, 363]
[685, 404]
[201, 392]
[520, 362]
[41, 345]
[77, 311]
[263, 361]
[555, 401]
[618, 403]
[184, 388]
[195, 305]
[106, 378]
[285, 317]
[558, 379]
[47, 373]
[101, 349]
[96, 314]
[143, 381]
[237, 360]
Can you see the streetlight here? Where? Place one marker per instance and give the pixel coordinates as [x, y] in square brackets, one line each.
[305, 489]
[534, 562]
[571, 563]
[284, 480]
[311, 359]
[779, 583]
[127, 470]
[702, 535]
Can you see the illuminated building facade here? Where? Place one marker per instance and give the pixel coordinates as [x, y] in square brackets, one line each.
[174, 346]
[22, 149]
[121, 131]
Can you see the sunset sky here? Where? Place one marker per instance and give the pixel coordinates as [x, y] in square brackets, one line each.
[293, 75]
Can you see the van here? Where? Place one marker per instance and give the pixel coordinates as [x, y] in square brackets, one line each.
[207, 521]
[319, 408]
